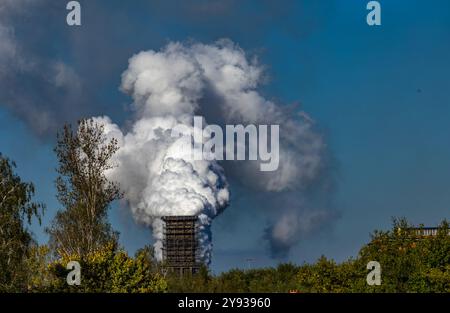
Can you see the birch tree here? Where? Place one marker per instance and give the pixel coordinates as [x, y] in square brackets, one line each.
[83, 190]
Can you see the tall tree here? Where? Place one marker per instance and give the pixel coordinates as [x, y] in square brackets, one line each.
[83, 189]
[16, 211]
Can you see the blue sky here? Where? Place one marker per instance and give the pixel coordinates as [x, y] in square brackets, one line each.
[381, 96]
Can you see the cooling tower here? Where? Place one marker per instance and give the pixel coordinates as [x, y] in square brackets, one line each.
[180, 244]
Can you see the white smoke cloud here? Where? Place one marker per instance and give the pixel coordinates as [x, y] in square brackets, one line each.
[156, 171]
[294, 224]
[234, 79]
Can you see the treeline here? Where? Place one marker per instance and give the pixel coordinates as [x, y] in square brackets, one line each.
[409, 263]
[80, 232]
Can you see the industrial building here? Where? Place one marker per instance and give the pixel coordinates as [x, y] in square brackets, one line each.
[425, 231]
[180, 244]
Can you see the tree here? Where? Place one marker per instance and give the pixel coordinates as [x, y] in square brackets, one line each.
[110, 269]
[324, 276]
[37, 264]
[83, 190]
[16, 210]
[409, 262]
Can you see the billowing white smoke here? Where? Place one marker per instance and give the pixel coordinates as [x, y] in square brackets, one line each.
[155, 169]
[159, 177]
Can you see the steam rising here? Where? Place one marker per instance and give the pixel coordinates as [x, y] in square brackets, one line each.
[156, 172]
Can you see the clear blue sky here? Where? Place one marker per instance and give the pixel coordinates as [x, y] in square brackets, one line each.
[380, 94]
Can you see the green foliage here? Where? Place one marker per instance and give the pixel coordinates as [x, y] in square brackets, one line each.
[326, 276]
[16, 210]
[37, 267]
[108, 270]
[409, 263]
[199, 282]
[83, 189]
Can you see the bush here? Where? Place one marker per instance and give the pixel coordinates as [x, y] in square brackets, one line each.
[107, 270]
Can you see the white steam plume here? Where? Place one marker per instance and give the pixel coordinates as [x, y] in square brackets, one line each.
[156, 171]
